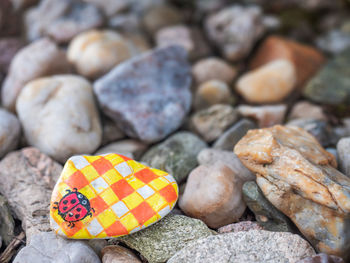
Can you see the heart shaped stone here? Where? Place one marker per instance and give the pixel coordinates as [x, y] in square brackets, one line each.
[109, 196]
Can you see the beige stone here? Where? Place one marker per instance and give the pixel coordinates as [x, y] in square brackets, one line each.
[270, 83]
[305, 109]
[118, 254]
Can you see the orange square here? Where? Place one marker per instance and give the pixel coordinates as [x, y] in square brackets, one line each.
[143, 212]
[98, 205]
[70, 231]
[102, 165]
[169, 193]
[145, 175]
[77, 180]
[122, 189]
[116, 229]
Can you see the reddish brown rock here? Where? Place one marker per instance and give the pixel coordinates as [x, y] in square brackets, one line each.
[307, 60]
[118, 254]
[322, 258]
[241, 226]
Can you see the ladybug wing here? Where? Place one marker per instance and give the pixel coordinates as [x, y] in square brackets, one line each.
[68, 202]
[77, 213]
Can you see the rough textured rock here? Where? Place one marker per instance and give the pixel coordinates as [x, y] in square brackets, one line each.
[235, 30]
[252, 246]
[49, 248]
[212, 122]
[232, 135]
[59, 116]
[176, 155]
[7, 225]
[343, 150]
[127, 147]
[269, 83]
[158, 82]
[213, 68]
[118, 254]
[265, 213]
[306, 60]
[8, 49]
[307, 110]
[331, 85]
[10, 131]
[298, 177]
[38, 59]
[240, 226]
[229, 158]
[266, 115]
[161, 241]
[218, 207]
[321, 258]
[61, 20]
[27, 178]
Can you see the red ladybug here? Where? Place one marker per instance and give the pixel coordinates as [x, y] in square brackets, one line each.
[73, 207]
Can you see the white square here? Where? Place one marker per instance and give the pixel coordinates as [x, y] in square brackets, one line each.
[99, 184]
[170, 178]
[120, 209]
[79, 162]
[94, 227]
[135, 229]
[166, 210]
[124, 169]
[145, 191]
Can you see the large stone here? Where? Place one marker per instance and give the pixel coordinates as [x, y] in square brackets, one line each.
[27, 178]
[61, 20]
[132, 148]
[8, 49]
[331, 85]
[118, 254]
[240, 226]
[38, 59]
[158, 82]
[298, 177]
[265, 213]
[10, 131]
[307, 110]
[161, 241]
[343, 150]
[7, 225]
[246, 246]
[218, 207]
[59, 116]
[229, 158]
[322, 258]
[176, 155]
[49, 248]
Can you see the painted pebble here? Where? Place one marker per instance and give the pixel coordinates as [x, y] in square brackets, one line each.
[109, 196]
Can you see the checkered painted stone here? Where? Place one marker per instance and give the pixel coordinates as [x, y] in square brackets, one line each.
[109, 196]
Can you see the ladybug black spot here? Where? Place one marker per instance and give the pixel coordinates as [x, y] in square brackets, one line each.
[73, 201]
[65, 208]
[65, 202]
[78, 209]
[77, 216]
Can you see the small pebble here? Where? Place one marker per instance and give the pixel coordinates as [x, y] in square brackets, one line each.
[10, 131]
[118, 254]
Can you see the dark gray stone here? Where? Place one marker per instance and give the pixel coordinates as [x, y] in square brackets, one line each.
[7, 224]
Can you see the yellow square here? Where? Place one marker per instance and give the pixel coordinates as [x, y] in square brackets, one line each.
[91, 158]
[88, 192]
[133, 200]
[90, 173]
[112, 176]
[129, 222]
[157, 202]
[56, 217]
[107, 218]
[159, 183]
[62, 187]
[135, 166]
[109, 196]
[159, 172]
[150, 221]
[68, 170]
[103, 234]
[81, 234]
[134, 182]
[114, 159]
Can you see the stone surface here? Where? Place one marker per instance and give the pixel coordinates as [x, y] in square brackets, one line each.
[110, 132]
[59, 116]
[238, 227]
[213, 68]
[265, 213]
[343, 150]
[307, 110]
[161, 241]
[212, 92]
[49, 248]
[306, 59]
[298, 177]
[334, 41]
[322, 258]
[266, 115]
[96, 52]
[234, 30]
[38, 59]
[212, 122]
[232, 135]
[118, 254]
[109, 196]
[251, 246]
[8, 49]
[27, 178]
[10, 131]
[10, 21]
[22, 4]
[61, 20]
[270, 83]
[176, 155]
[331, 84]
[158, 82]
[7, 225]
[216, 208]
[191, 39]
[127, 147]
[229, 158]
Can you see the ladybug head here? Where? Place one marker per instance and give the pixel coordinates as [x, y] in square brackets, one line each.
[83, 200]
